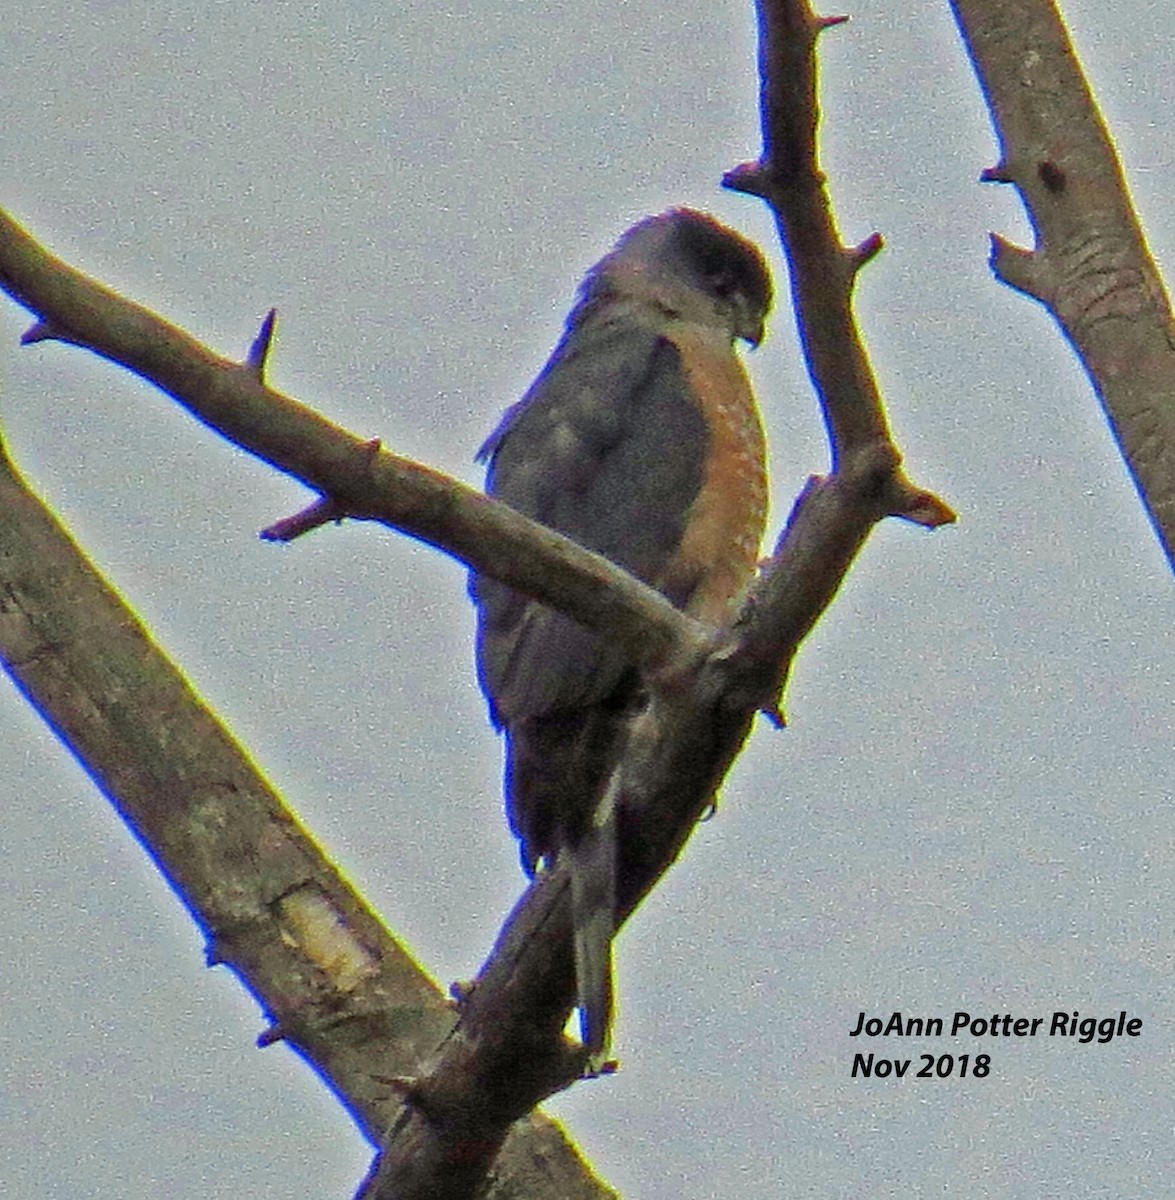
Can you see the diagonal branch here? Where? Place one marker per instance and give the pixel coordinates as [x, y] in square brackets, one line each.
[1090, 266]
[353, 474]
[507, 1052]
[334, 984]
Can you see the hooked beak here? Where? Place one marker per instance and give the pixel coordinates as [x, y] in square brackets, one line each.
[749, 321]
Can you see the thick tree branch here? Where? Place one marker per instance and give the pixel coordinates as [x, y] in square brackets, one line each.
[355, 476]
[1090, 265]
[507, 1051]
[333, 982]
[270, 907]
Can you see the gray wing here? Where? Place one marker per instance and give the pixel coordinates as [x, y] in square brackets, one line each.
[609, 448]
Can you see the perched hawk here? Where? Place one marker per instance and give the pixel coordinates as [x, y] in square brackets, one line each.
[640, 440]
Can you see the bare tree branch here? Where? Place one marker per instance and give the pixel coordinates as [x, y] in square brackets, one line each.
[822, 271]
[1090, 265]
[355, 476]
[334, 983]
[270, 907]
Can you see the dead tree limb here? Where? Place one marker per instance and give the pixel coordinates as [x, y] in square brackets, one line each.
[1090, 266]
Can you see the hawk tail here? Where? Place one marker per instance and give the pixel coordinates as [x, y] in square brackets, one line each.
[592, 864]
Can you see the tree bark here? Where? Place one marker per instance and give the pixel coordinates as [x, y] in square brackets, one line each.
[1090, 266]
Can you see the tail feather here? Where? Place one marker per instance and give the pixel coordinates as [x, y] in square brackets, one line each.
[592, 866]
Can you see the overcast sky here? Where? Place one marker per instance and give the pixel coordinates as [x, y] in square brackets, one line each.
[972, 807]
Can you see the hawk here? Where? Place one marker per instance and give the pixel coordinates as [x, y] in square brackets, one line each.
[640, 439]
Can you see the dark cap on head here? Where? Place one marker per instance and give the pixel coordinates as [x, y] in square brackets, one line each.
[707, 256]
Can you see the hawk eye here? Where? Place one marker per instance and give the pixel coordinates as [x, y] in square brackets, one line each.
[723, 285]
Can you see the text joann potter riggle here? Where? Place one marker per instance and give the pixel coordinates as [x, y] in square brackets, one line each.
[1059, 1024]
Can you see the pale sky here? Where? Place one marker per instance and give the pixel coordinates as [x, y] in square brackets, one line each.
[971, 810]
